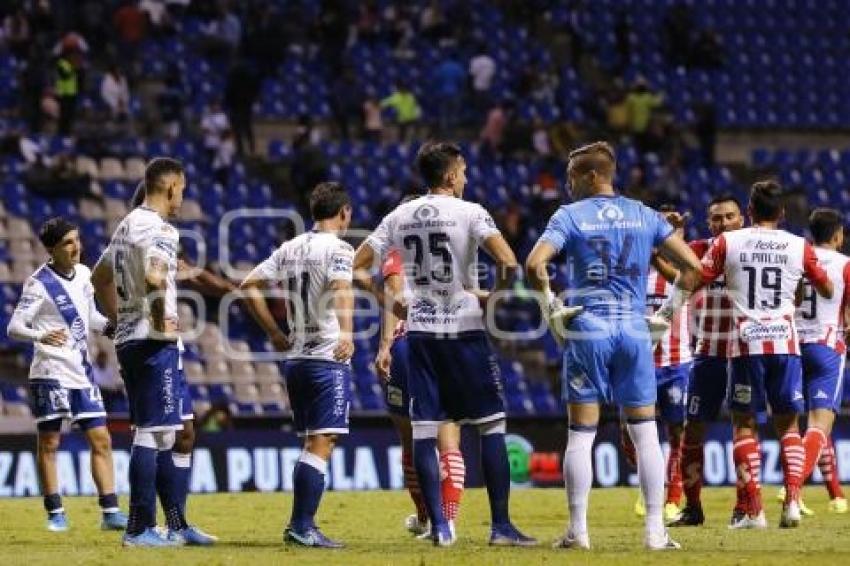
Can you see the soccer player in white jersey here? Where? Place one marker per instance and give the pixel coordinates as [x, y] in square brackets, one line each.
[134, 281]
[315, 269]
[453, 374]
[820, 326]
[56, 312]
[763, 266]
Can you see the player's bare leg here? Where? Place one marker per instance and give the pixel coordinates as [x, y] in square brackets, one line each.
[452, 470]
[747, 458]
[308, 482]
[48, 444]
[103, 474]
[417, 523]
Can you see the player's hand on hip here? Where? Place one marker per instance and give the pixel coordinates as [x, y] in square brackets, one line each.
[658, 326]
[344, 350]
[55, 337]
[382, 363]
[280, 342]
[400, 309]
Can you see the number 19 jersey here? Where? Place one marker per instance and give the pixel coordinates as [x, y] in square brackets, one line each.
[763, 268]
[306, 265]
[143, 236]
[608, 241]
[438, 238]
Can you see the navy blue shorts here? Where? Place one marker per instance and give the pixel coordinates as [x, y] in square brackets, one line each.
[612, 365]
[319, 394]
[396, 394]
[454, 379]
[51, 403]
[672, 392]
[150, 373]
[186, 413]
[823, 374]
[707, 388]
[775, 378]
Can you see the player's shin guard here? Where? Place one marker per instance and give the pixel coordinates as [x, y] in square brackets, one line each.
[308, 484]
[497, 471]
[142, 476]
[650, 460]
[793, 456]
[829, 469]
[674, 474]
[412, 484]
[693, 459]
[578, 475]
[814, 442]
[747, 457]
[428, 470]
[172, 484]
[452, 478]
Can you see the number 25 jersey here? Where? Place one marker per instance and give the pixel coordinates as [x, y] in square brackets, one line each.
[608, 241]
[763, 268]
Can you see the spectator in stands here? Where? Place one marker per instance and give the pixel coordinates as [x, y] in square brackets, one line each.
[636, 186]
[158, 15]
[224, 157]
[622, 33]
[450, 82]
[170, 102]
[115, 93]
[131, 24]
[641, 102]
[214, 123]
[373, 123]
[16, 33]
[482, 69]
[405, 107]
[707, 51]
[34, 81]
[677, 29]
[346, 102]
[432, 21]
[540, 139]
[223, 35]
[217, 419]
[368, 22]
[705, 128]
[111, 386]
[240, 93]
[67, 90]
[492, 134]
[309, 164]
[41, 21]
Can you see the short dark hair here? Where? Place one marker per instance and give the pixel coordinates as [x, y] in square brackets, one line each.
[766, 200]
[138, 195]
[724, 197]
[327, 199]
[824, 223]
[598, 156]
[53, 230]
[668, 207]
[435, 159]
[158, 168]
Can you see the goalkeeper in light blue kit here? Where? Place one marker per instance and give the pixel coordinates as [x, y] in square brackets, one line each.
[608, 240]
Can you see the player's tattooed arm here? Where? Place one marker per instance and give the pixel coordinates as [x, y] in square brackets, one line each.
[155, 284]
[343, 305]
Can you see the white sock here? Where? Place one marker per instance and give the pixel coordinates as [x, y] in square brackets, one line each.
[651, 471]
[578, 476]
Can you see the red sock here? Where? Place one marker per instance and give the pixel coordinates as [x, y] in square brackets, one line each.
[693, 458]
[412, 485]
[829, 469]
[628, 447]
[452, 477]
[674, 474]
[747, 457]
[793, 456]
[814, 442]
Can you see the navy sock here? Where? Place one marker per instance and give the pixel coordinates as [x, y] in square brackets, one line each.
[497, 476]
[171, 488]
[308, 484]
[53, 503]
[428, 471]
[108, 503]
[142, 489]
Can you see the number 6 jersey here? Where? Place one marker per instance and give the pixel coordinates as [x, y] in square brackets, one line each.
[141, 238]
[763, 268]
[820, 320]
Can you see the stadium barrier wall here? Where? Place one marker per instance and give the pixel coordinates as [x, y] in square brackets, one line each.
[370, 458]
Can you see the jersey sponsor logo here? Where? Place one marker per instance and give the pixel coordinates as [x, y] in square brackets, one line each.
[610, 213]
[426, 212]
[765, 331]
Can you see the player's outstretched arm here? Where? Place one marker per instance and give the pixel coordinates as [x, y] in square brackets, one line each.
[203, 281]
[343, 305]
[102, 279]
[692, 273]
[253, 298]
[507, 266]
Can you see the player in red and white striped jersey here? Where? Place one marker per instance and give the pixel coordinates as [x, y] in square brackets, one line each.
[711, 314]
[392, 367]
[820, 326]
[763, 267]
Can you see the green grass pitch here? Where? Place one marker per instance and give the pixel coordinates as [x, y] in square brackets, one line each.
[250, 527]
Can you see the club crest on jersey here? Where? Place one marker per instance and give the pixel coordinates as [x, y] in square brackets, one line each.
[426, 212]
[743, 393]
[610, 213]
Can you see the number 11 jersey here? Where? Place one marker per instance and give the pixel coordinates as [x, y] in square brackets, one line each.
[763, 268]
